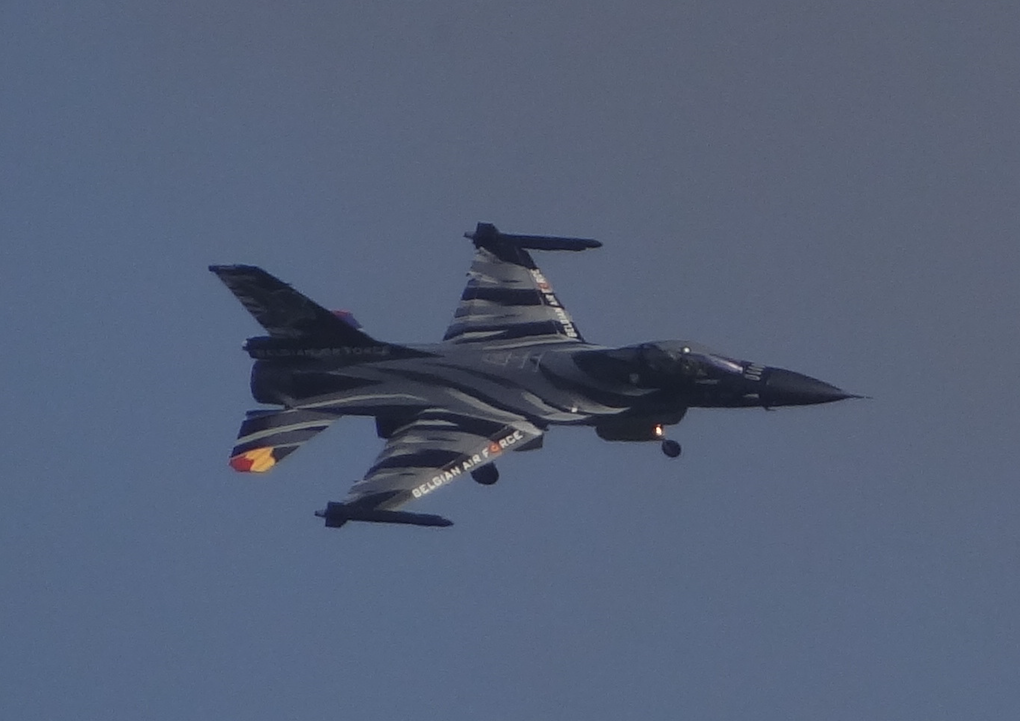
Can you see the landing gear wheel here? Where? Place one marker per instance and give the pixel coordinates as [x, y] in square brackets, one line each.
[486, 475]
[671, 448]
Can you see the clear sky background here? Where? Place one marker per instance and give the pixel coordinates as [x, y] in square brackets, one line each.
[831, 188]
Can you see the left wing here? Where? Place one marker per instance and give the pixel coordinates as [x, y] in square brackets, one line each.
[507, 298]
[431, 450]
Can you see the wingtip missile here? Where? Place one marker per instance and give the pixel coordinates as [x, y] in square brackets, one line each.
[337, 514]
[487, 234]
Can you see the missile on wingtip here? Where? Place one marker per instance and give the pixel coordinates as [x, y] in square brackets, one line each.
[487, 233]
[337, 514]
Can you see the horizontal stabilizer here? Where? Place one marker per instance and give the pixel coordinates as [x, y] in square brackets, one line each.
[487, 235]
[337, 514]
[267, 437]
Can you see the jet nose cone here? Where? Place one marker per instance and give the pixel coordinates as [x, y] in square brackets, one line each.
[787, 388]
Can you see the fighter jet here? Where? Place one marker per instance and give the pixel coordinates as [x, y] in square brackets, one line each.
[511, 365]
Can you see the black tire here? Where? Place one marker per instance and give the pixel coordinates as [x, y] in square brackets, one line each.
[486, 475]
[671, 448]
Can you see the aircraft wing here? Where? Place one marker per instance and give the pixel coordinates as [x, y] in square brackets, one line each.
[431, 450]
[507, 298]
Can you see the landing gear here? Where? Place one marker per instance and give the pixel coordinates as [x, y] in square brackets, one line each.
[486, 475]
[671, 448]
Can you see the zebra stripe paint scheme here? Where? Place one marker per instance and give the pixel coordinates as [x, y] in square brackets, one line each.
[511, 364]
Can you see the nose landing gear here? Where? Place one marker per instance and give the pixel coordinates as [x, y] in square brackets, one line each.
[671, 448]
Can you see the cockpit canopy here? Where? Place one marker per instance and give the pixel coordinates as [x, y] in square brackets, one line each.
[685, 357]
[659, 364]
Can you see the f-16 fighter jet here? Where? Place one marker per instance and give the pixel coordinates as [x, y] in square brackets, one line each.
[511, 365]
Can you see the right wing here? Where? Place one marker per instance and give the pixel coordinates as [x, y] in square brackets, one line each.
[431, 450]
[507, 297]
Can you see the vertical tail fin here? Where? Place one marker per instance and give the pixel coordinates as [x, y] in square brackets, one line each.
[285, 313]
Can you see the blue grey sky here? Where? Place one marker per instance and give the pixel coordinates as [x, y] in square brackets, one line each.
[831, 188]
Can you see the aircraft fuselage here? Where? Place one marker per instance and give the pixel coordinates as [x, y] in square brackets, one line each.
[549, 383]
